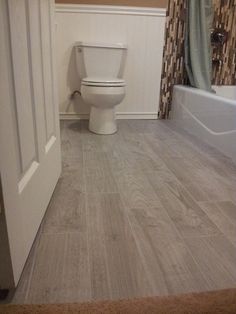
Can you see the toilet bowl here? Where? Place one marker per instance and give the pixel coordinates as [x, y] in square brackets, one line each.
[100, 67]
[102, 95]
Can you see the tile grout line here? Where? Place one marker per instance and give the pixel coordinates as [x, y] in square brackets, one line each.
[86, 215]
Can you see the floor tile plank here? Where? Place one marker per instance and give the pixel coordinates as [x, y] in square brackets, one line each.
[215, 257]
[146, 211]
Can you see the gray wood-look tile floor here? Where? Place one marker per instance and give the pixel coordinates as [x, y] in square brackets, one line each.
[147, 211]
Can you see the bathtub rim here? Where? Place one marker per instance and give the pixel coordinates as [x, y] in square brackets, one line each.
[224, 142]
[198, 91]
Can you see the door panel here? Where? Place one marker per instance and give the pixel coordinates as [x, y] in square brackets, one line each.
[37, 71]
[47, 71]
[22, 84]
[30, 161]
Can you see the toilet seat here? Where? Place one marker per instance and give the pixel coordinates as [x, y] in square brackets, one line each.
[103, 82]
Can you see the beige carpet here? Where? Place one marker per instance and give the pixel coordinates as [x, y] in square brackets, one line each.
[223, 301]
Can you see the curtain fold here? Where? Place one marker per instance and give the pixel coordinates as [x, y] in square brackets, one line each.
[198, 57]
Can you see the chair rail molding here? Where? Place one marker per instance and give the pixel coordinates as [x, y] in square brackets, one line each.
[109, 9]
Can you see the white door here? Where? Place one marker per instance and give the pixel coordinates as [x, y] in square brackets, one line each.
[30, 157]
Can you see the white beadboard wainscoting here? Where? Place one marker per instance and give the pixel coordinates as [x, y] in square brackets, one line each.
[142, 29]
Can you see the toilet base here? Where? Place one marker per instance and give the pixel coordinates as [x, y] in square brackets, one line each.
[102, 120]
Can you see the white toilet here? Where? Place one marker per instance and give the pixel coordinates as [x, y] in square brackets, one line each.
[100, 68]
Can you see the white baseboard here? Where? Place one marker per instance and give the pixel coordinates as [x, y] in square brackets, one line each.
[136, 115]
[119, 116]
[74, 116]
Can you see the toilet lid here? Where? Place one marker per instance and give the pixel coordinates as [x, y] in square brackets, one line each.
[102, 81]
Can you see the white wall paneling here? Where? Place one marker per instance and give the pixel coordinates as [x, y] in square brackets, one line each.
[142, 29]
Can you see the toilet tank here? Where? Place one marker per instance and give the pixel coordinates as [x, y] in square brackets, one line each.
[100, 59]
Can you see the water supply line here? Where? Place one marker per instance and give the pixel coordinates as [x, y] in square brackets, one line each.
[72, 96]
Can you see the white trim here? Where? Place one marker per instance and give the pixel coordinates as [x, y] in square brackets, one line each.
[136, 115]
[109, 9]
[73, 116]
[119, 116]
[101, 45]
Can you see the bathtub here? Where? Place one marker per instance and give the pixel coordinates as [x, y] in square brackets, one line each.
[210, 117]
